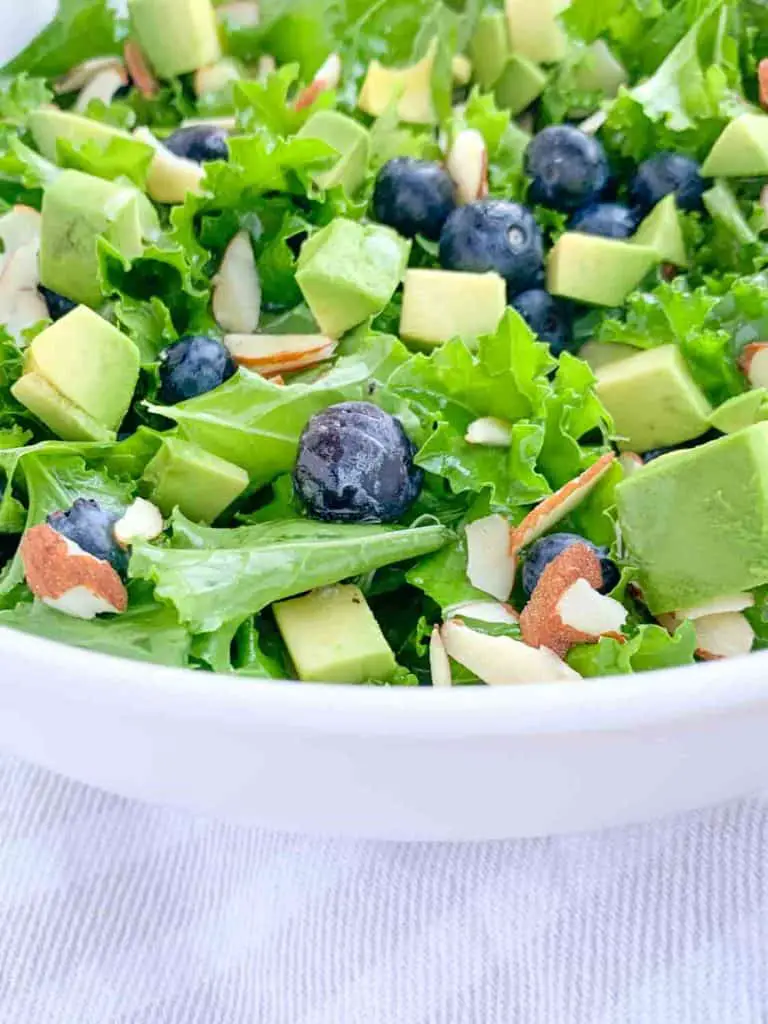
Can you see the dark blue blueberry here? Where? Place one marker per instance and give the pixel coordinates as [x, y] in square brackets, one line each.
[665, 173]
[610, 220]
[548, 317]
[355, 465]
[493, 234]
[567, 168]
[544, 551]
[414, 197]
[91, 527]
[192, 367]
[57, 305]
[200, 143]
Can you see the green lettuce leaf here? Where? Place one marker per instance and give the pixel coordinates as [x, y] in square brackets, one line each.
[650, 648]
[119, 158]
[80, 29]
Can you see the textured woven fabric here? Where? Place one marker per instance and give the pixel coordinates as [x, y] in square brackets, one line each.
[119, 913]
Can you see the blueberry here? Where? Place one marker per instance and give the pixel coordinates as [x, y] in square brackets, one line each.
[548, 548]
[91, 527]
[200, 143]
[414, 197]
[192, 367]
[58, 305]
[549, 318]
[355, 465]
[665, 173]
[493, 234]
[568, 169]
[610, 220]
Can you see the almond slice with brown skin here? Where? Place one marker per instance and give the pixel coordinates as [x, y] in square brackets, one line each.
[630, 462]
[467, 165]
[490, 432]
[237, 288]
[559, 505]
[726, 635]
[60, 574]
[104, 86]
[762, 82]
[754, 363]
[139, 70]
[327, 77]
[77, 78]
[490, 565]
[500, 660]
[439, 662]
[271, 354]
[718, 606]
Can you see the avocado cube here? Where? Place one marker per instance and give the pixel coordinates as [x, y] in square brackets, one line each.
[410, 88]
[442, 304]
[332, 637]
[654, 401]
[90, 363]
[535, 31]
[600, 271]
[62, 417]
[351, 141]
[520, 83]
[183, 475]
[741, 411]
[662, 231]
[695, 522]
[599, 71]
[178, 36]
[722, 205]
[489, 48]
[741, 151]
[78, 209]
[49, 124]
[349, 271]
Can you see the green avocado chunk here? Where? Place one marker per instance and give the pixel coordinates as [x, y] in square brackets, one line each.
[442, 304]
[178, 36]
[520, 83]
[741, 411]
[535, 31]
[654, 401]
[49, 125]
[662, 231]
[489, 48]
[722, 205]
[695, 522]
[600, 271]
[349, 271]
[741, 151]
[78, 209]
[186, 476]
[332, 637]
[599, 71]
[62, 417]
[351, 141]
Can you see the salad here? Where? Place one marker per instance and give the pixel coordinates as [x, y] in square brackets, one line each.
[402, 343]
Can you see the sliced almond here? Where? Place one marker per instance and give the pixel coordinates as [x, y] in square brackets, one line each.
[242, 14]
[62, 575]
[718, 606]
[141, 521]
[541, 623]
[171, 178]
[630, 463]
[559, 505]
[764, 199]
[593, 124]
[215, 77]
[500, 660]
[227, 124]
[754, 363]
[726, 635]
[490, 432]
[461, 69]
[762, 82]
[21, 226]
[139, 70]
[271, 354]
[439, 662]
[104, 86]
[467, 165]
[490, 565]
[237, 288]
[484, 611]
[21, 304]
[327, 77]
[584, 609]
[81, 75]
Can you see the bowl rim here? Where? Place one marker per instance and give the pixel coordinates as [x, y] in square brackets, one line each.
[682, 695]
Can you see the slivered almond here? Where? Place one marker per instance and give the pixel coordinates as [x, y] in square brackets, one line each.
[489, 431]
[500, 660]
[484, 611]
[762, 82]
[103, 86]
[718, 606]
[79, 77]
[592, 124]
[630, 462]
[490, 565]
[560, 504]
[62, 575]
[214, 77]
[19, 227]
[726, 635]
[541, 624]
[141, 521]
[21, 304]
[139, 70]
[584, 609]
[439, 663]
[327, 77]
[271, 354]
[754, 363]
[467, 165]
[227, 124]
[237, 288]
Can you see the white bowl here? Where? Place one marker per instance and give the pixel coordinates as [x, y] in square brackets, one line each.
[391, 763]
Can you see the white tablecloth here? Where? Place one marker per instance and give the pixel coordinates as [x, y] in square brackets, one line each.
[118, 913]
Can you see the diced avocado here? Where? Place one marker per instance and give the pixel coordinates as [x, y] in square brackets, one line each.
[78, 209]
[722, 205]
[90, 362]
[662, 231]
[49, 125]
[351, 141]
[597, 354]
[178, 36]
[520, 83]
[332, 637]
[741, 411]
[535, 31]
[442, 304]
[183, 475]
[171, 178]
[654, 401]
[411, 87]
[741, 150]
[599, 71]
[489, 48]
[62, 417]
[695, 522]
[601, 271]
[349, 271]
